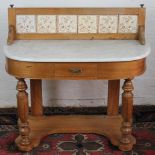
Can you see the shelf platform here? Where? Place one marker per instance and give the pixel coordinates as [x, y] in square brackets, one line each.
[42, 126]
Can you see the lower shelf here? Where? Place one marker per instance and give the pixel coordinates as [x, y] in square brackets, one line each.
[42, 126]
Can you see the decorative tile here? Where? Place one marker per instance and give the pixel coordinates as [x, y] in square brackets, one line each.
[128, 23]
[25, 24]
[87, 24]
[46, 24]
[108, 24]
[67, 24]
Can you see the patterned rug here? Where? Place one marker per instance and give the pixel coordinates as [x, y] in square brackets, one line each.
[80, 144]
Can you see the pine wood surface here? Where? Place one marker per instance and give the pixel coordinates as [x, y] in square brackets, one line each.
[36, 97]
[32, 128]
[113, 97]
[108, 126]
[140, 12]
[58, 71]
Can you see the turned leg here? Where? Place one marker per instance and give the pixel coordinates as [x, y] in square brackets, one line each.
[36, 97]
[22, 103]
[127, 140]
[113, 97]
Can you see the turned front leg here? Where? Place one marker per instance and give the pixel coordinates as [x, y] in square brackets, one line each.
[22, 103]
[127, 140]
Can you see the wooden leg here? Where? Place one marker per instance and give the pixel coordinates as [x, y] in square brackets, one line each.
[127, 140]
[113, 97]
[36, 97]
[22, 102]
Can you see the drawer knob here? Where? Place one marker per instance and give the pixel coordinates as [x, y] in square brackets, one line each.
[75, 70]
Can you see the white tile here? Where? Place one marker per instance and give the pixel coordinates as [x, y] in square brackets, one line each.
[128, 23]
[87, 24]
[25, 24]
[46, 23]
[108, 24]
[67, 24]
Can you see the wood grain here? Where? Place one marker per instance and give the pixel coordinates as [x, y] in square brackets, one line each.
[30, 69]
[126, 142]
[104, 125]
[113, 97]
[140, 12]
[121, 70]
[86, 36]
[78, 11]
[12, 17]
[66, 69]
[117, 128]
[11, 35]
[141, 35]
[104, 71]
[22, 103]
[36, 97]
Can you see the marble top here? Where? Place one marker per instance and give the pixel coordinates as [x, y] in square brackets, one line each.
[76, 50]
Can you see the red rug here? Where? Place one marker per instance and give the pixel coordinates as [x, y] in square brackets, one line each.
[79, 144]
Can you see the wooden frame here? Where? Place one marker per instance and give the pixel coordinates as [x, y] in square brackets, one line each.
[79, 11]
[118, 128]
[59, 71]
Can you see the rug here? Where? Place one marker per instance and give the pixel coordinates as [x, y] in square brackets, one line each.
[141, 113]
[80, 144]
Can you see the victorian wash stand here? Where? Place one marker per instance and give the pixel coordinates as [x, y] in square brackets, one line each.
[76, 44]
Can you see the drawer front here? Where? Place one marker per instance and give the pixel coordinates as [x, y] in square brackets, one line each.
[75, 70]
[121, 70]
[34, 70]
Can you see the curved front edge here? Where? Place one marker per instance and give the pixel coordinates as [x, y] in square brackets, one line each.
[95, 70]
[121, 70]
[108, 126]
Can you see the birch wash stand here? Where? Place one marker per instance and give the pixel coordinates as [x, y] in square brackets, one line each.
[76, 44]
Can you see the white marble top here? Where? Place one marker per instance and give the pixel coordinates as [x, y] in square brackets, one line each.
[76, 50]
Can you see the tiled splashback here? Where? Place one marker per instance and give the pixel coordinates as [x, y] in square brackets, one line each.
[76, 23]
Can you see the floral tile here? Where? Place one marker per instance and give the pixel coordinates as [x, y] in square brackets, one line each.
[46, 24]
[87, 24]
[25, 24]
[128, 23]
[108, 24]
[67, 24]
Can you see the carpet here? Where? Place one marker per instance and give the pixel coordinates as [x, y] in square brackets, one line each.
[80, 144]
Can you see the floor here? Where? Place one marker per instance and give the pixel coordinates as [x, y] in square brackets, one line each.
[76, 144]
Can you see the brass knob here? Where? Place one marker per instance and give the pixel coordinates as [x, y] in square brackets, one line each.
[142, 5]
[75, 70]
[11, 5]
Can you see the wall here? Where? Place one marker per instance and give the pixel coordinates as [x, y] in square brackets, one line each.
[78, 93]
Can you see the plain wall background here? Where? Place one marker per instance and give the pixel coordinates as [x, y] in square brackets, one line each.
[79, 93]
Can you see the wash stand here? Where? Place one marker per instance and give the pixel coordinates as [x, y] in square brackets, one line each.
[76, 44]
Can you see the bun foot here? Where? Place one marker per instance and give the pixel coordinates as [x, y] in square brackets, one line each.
[21, 147]
[129, 146]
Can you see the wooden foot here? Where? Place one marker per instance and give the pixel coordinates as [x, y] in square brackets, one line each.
[127, 140]
[33, 128]
[108, 126]
[22, 102]
[21, 147]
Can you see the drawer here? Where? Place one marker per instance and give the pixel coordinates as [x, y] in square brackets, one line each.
[36, 70]
[75, 70]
